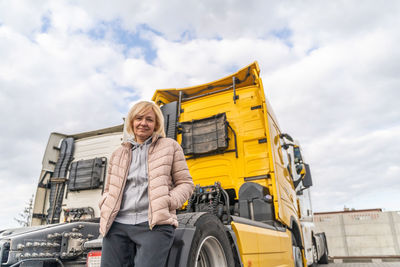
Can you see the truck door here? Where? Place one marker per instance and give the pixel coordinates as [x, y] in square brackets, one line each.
[285, 196]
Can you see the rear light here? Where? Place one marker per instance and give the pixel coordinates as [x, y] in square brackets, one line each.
[93, 258]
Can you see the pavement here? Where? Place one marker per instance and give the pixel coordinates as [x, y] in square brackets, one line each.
[358, 264]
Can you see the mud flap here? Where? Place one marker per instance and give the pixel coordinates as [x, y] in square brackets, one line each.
[179, 253]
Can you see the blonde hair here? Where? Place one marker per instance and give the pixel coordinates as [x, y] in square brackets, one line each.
[140, 108]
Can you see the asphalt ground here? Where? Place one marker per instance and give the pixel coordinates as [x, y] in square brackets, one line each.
[358, 264]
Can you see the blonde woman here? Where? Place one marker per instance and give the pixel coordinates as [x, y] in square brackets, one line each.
[148, 179]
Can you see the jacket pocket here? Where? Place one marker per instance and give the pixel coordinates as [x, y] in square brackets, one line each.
[171, 203]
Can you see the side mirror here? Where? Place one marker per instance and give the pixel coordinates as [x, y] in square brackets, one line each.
[307, 180]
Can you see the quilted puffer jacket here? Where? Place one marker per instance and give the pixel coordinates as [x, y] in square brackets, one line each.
[169, 184]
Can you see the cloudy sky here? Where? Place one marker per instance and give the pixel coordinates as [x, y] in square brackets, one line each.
[330, 70]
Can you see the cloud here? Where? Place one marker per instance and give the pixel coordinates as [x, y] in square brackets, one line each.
[23, 16]
[49, 82]
[13, 204]
[329, 70]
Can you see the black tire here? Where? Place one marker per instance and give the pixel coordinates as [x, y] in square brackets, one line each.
[297, 255]
[210, 246]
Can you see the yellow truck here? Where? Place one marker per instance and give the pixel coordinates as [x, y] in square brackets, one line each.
[250, 207]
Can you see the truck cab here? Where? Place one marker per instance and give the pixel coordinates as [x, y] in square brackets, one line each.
[230, 134]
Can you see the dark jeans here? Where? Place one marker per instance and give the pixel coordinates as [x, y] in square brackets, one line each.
[137, 245]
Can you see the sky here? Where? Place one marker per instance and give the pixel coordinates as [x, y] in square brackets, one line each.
[330, 70]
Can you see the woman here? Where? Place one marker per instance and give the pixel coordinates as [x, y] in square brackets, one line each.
[148, 179]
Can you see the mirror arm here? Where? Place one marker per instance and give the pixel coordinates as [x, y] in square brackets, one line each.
[287, 136]
[286, 145]
[296, 183]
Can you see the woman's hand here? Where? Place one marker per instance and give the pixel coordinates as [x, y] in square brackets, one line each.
[181, 178]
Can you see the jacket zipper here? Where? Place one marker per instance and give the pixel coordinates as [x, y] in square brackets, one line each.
[148, 190]
[152, 145]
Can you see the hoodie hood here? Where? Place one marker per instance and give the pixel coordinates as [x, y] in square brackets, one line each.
[136, 144]
[130, 141]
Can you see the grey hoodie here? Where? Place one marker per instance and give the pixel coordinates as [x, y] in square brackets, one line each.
[135, 201]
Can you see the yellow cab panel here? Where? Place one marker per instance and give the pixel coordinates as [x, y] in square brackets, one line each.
[263, 247]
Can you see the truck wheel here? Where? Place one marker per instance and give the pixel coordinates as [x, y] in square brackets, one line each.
[210, 246]
[297, 256]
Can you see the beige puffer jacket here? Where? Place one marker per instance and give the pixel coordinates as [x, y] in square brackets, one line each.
[169, 186]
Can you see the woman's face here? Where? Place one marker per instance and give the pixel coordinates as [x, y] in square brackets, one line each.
[143, 125]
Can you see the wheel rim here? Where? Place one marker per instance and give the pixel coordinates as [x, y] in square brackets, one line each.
[210, 253]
